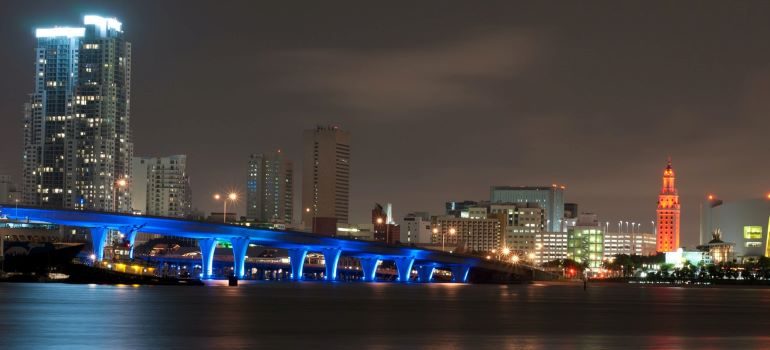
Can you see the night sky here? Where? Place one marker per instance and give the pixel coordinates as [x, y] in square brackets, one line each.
[443, 98]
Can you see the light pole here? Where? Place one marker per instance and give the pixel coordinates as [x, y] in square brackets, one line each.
[232, 196]
[626, 226]
[120, 183]
[653, 228]
[443, 237]
[620, 227]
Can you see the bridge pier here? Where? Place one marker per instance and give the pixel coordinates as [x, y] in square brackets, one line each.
[331, 259]
[404, 267]
[98, 241]
[207, 246]
[425, 273]
[130, 236]
[240, 245]
[460, 273]
[297, 261]
[369, 266]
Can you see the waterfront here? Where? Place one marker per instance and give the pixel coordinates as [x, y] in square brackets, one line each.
[382, 316]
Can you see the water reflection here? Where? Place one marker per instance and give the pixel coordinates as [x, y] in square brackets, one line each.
[381, 316]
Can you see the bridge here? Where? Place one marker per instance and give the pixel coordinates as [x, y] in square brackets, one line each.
[298, 244]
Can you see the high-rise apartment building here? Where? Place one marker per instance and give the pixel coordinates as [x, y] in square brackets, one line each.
[161, 186]
[550, 198]
[270, 188]
[325, 176]
[77, 140]
[668, 212]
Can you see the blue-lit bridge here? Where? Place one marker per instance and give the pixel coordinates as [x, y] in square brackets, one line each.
[298, 244]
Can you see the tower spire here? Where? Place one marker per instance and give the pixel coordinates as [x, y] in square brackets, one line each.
[668, 212]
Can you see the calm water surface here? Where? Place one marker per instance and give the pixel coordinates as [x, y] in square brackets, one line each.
[316, 315]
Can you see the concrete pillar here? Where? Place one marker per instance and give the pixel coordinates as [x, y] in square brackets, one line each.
[460, 273]
[369, 266]
[240, 245]
[130, 235]
[98, 241]
[425, 273]
[207, 246]
[297, 260]
[404, 267]
[331, 259]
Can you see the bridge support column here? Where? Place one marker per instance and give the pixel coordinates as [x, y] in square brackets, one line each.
[369, 266]
[98, 241]
[425, 273]
[331, 259]
[297, 260]
[240, 245]
[460, 273]
[130, 237]
[404, 267]
[207, 245]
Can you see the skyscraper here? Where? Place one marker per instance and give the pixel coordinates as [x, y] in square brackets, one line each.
[76, 126]
[668, 212]
[161, 187]
[325, 176]
[550, 198]
[270, 188]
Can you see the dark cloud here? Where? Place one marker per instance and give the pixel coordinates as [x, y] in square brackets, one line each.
[443, 98]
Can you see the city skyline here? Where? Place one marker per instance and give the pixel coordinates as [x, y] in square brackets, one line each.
[616, 176]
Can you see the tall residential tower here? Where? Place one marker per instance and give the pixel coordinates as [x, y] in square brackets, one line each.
[325, 176]
[668, 213]
[77, 140]
[270, 188]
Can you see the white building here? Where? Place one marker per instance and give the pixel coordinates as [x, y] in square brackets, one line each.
[637, 243]
[160, 186]
[743, 222]
[416, 228]
[550, 246]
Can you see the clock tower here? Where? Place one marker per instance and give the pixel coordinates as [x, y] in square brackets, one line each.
[668, 213]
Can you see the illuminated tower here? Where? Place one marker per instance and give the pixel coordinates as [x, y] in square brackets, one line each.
[77, 140]
[668, 213]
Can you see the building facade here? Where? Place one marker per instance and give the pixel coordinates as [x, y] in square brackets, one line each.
[520, 223]
[77, 139]
[270, 188]
[325, 175]
[637, 243]
[668, 212]
[161, 186]
[550, 198]
[476, 235]
[9, 191]
[416, 228]
[746, 223]
[550, 246]
[585, 241]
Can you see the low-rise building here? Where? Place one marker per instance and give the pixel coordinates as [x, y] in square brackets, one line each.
[550, 246]
[416, 228]
[478, 235]
[637, 243]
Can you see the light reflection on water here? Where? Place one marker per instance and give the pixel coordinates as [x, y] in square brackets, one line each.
[382, 316]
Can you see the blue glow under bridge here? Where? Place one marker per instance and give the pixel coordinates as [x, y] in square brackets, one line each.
[298, 244]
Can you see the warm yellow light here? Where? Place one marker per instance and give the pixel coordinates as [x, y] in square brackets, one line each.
[515, 259]
[217, 196]
[711, 197]
[379, 220]
[768, 196]
[531, 256]
[506, 251]
[307, 210]
[452, 231]
[232, 196]
[122, 182]
[435, 230]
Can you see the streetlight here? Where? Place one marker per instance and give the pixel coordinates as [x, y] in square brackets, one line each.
[506, 251]
[232, 196]
[653, 228]
[515, 259]
[443, 236]
[120, 183]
